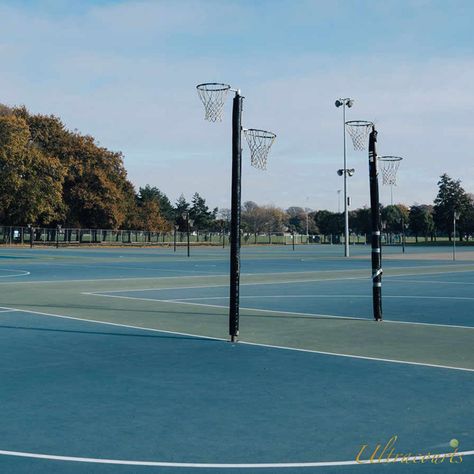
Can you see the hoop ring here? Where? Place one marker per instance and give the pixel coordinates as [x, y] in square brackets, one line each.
[389, 158]
[359, 123]
[213, 86]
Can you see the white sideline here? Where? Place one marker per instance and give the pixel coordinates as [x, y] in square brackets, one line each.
[334, 354]
[332, 316]
[53, 457]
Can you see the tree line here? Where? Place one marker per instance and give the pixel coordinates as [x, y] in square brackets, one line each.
[53, 176]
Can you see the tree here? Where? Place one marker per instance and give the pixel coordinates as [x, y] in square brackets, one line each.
[200, 213]
[361, 221]
[181, 207]
[466, 220]
[30, 180]
[95, 189]
[451, 197]
[421, 221]
[153, 193]
[393, 216]
[329, 223]
[297, 219]
[151, 218]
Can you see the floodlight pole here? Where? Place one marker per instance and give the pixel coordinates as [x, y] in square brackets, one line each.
[346, 210]
[347, 101]
[235, 216]
[376, 225]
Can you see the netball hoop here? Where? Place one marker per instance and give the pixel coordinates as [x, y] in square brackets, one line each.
[213, 96]
[389, 166]
[259, 142]
[359, 132]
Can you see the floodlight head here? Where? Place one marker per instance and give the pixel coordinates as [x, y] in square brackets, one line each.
[351, 171]
[338, 103]
[350, 103]
[340, 172]
[457, 215]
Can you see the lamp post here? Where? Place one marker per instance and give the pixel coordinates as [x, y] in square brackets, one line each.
[189, 223]
[32, 231]
[345, 102]
[456, 216]
[404, 227]
[347, 201]
[176, 227]
[58, 230]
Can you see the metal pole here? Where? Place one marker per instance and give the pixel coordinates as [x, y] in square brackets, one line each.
[403, 236]
[307, 228]
[346, 210]
[187, 223]
[375, 218]
[235, 216]
[454, 237]
[174, 240]
[293, 239]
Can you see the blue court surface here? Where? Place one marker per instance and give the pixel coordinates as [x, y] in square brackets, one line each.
[118, 361]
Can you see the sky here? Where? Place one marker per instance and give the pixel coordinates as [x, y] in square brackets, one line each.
[126, 72]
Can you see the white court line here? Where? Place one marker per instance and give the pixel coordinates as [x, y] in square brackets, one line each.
[315, 315]
[283, 282]
[310, 351]
[330, 296]
[23, 273]
[93, 280]
[227, 285]
[53, 457]
[440, 282]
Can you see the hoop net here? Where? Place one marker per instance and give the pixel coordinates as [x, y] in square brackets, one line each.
[259, 142]
[359, 131]
[389, 166]
[213, 96]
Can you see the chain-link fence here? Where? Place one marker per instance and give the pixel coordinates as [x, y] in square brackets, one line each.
[29, 235]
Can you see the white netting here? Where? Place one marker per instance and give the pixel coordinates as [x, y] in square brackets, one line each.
[213, 96]
[359, 131]
[389, 167]
[259, 142]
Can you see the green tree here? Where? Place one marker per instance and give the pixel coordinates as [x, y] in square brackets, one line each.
[421, 221]
[153, 193]
[451, 197]
[96, 192]
[203, 218]
[296, 217]
[30, 180]
[361, 222]
[466, 219]
[181, 207]
[330, 223]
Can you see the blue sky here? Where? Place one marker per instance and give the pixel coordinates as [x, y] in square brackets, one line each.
[125, 72]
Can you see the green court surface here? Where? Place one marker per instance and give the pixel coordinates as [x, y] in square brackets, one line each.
[118, 361]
